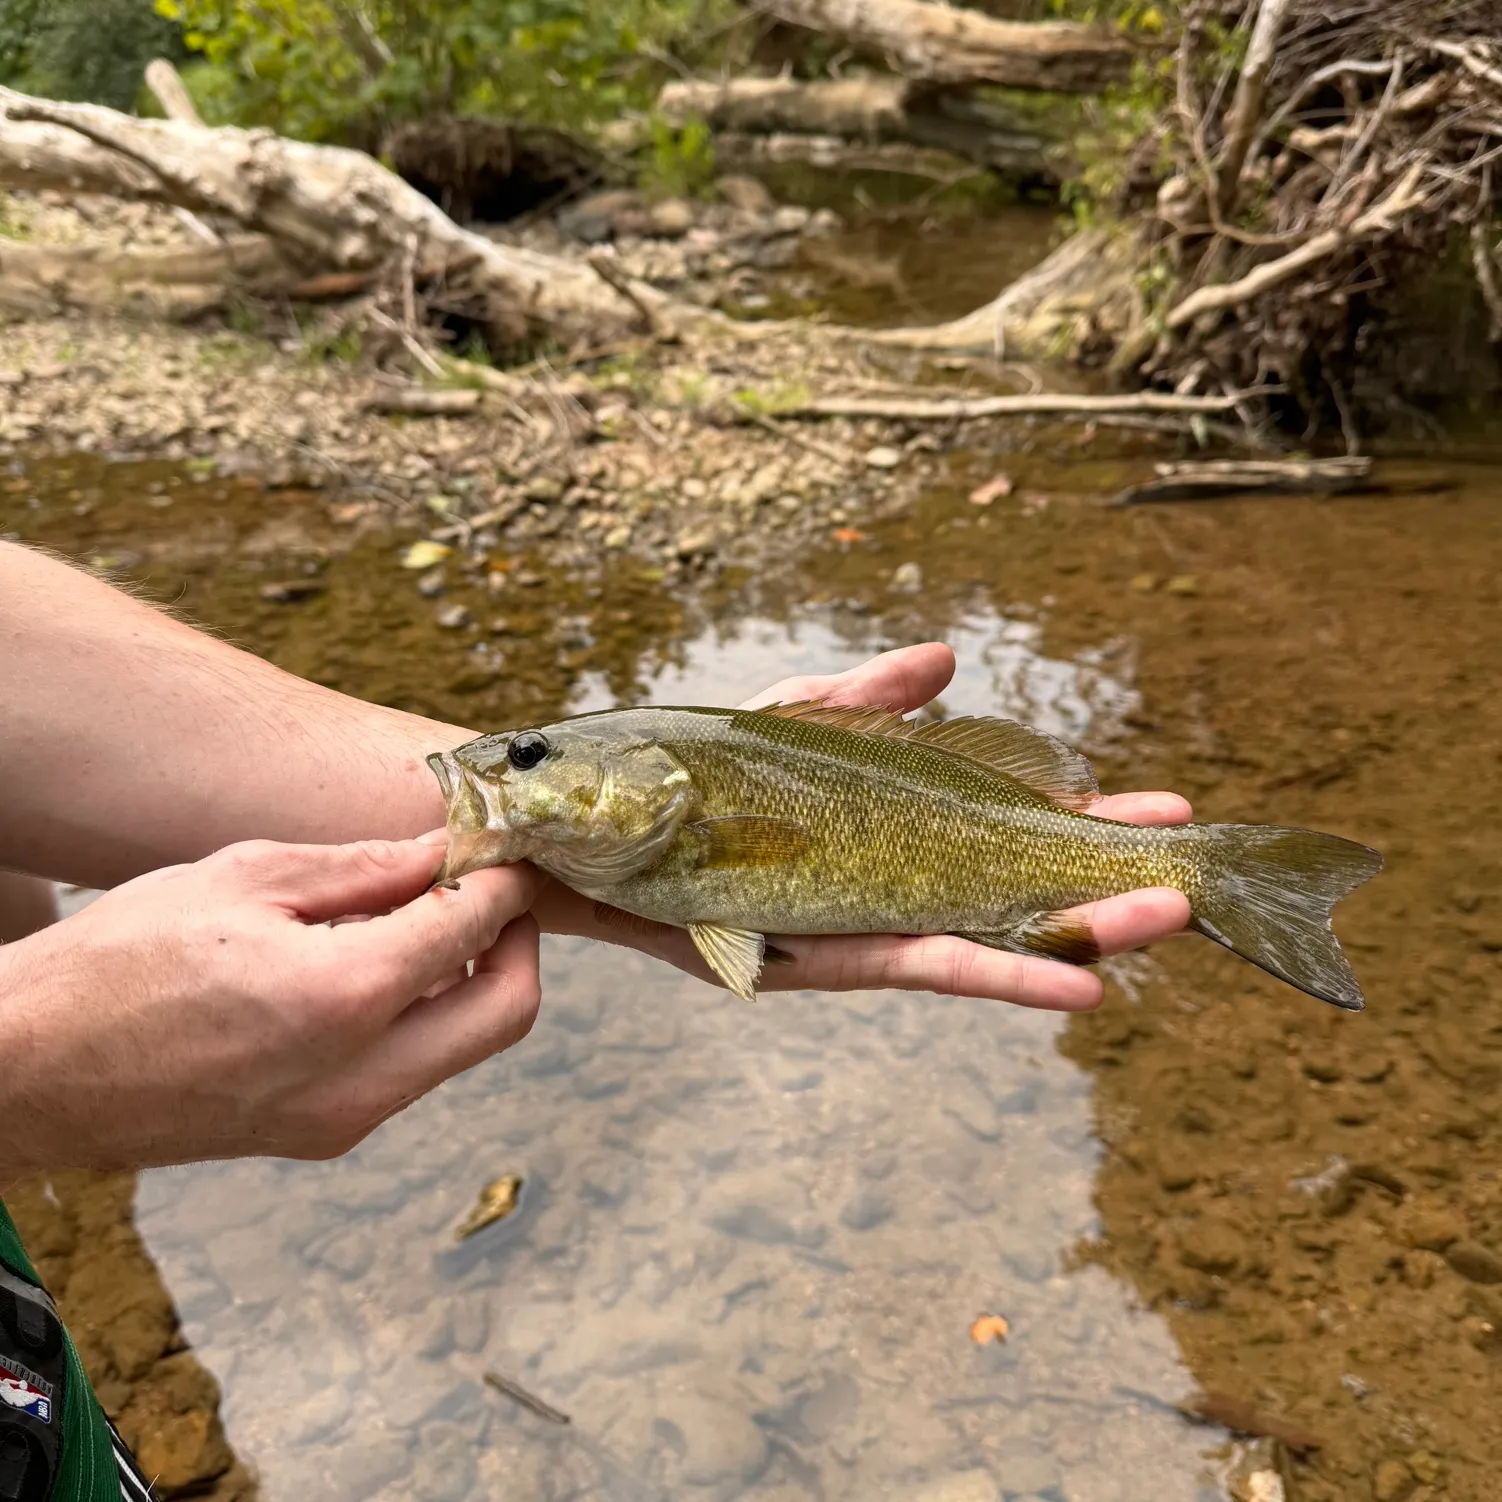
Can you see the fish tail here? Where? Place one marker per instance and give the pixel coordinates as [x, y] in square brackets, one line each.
[1266, 893]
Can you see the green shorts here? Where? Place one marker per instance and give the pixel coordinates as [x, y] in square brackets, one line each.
[56, 1444]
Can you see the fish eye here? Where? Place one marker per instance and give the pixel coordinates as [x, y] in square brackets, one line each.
[527, 750]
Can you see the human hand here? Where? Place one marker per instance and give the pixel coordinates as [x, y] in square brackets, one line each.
[211, 1010]
[905, 680]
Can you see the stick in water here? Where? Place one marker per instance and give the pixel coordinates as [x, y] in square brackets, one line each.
[519, 1394]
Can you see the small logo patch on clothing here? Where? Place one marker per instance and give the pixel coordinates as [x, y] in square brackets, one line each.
[24, 1390]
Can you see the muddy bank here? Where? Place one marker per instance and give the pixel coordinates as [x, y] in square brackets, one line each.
[79, 1231]
[1312, 1199]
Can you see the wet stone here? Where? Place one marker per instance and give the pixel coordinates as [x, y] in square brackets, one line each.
[1210, 1246]
[1393, 1482]
[454, 617]
[719, 1445]
[430, 585]
[1474, 1262]
[966, 1486]
[446, 1469]
[363, 1470]
[866, 1211]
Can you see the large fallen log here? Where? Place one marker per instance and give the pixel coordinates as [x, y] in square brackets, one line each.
[46, 280]
[324, 208]
[870, 110]
[941, 44]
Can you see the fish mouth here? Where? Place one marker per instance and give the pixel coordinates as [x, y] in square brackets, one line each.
[476, 808]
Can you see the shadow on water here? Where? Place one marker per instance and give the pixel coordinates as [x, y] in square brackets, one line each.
[756, 1237]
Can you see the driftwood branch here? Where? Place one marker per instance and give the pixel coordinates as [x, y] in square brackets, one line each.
[325, 208]
[1404, 196]
[1033, 404]
[1246, 106]
[942, 44]
[169, 91]
[1221, 479]
[869, 110]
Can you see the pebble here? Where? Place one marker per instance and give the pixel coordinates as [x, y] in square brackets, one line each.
[907, 579]
[430, 585]
[1210, 1246]
[967, 1486]
[1265, 1486]
[364, 1470]
[692, 543]
[719, 1442]
[287, 591]
[446, 1470]
[1474, 1262]
[1431, 1228]
[867, 1211]
[454, 617]
[746, 194]
[1393, 1481]
[883, 456]
[671, 218]
[1182, 584]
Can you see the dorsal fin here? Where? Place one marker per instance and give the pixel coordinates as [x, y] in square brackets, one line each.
[1033, 757]
[872, 720]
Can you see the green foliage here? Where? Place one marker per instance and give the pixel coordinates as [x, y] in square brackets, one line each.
[95, 50]
[1110, 139]
[347, 69]
[679, 161]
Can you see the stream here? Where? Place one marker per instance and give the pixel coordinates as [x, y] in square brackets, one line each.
[751, 1241]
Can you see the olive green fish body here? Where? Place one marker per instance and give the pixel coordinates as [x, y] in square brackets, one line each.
[900, 838]
[804, 819]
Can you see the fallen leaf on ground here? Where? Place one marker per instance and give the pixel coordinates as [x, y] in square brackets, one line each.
[848, 534]
[989, 1327]
[497, 1200]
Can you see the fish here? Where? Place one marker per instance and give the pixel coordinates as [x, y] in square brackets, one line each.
[807, 818]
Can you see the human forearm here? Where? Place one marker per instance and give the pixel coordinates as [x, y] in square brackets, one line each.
[130, 741]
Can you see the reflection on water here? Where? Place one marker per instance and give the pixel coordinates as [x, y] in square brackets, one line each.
[750, 1246]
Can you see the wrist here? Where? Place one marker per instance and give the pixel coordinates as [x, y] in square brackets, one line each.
[22, 1108]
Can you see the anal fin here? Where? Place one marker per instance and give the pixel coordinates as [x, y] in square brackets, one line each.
[1048, 936]
[734, 954]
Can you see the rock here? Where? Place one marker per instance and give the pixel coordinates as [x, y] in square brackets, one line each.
[319, 1416]
[907, 579]
[454, 617]
[1265, 1486]
[790, 219]
[994, 489]
[752, 1222]
[883, 456]
[1393, 1481]
[424, 554]
[967, 1486]
[1210, 1246]
[1431, 1228]
[1427, 1466]
[543, 488]
[617, 536]
[746, 194]
[362, 1471]
[692, 543]
[867, 1210]
[670, 218]
[446, 1470]
[599, 216]
[719, 1444]
[287, 591]
[1475, 1262]
[183, 1451]
[1182, 584]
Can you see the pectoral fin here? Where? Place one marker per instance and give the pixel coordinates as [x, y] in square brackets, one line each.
[740, 840]
[734, 954]
[1049, 936]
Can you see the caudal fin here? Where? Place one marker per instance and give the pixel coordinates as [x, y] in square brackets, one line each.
[1266, 894]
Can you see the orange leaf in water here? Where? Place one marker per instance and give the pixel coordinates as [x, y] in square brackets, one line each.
[848, 534]
[989, 1327]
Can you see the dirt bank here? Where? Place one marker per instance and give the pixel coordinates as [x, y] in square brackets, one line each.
[79, 1231]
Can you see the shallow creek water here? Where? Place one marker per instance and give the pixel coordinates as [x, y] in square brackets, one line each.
[752, 1240]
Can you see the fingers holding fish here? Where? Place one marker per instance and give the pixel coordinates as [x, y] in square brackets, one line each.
[430, 939]
[1150, 810]
[904, 679]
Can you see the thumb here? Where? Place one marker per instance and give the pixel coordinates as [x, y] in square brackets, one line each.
[321, 882]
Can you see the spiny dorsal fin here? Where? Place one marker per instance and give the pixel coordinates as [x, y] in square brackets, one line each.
[1031, 756]
[870, 719]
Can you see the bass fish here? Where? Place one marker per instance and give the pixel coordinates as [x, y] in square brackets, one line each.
[811, 819]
